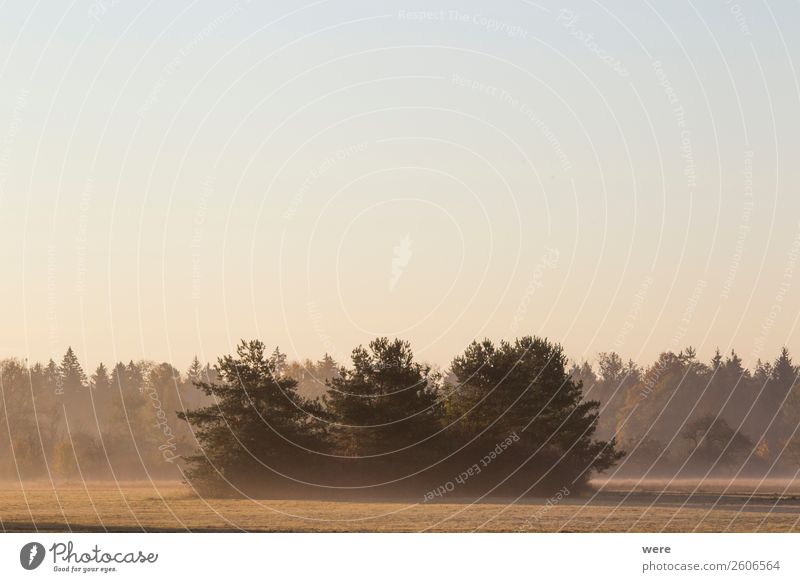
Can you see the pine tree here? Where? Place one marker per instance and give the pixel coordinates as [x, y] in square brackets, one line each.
[784, 373]
[733, 366]
[278, 360]
[689, 355]
[51, 371]
[100, 379]
[780, 397]
[385, 403]
[71, 372]
[523, 388]
[195, 372]
[119, 377]
[716, 361]
[257, 427]
[762, 374]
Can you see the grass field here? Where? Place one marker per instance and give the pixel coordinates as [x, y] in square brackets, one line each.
[617, 507]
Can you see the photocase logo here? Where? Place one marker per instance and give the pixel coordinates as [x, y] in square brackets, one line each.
[400, 260]
[31, 555]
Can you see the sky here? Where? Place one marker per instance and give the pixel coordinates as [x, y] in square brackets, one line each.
[615, 176]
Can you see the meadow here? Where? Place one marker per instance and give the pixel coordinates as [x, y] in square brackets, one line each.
[616, 506]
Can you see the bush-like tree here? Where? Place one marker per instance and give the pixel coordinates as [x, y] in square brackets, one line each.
[714, 444]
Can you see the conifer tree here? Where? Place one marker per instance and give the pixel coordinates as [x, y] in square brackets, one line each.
[257, 425]
[523, 388]
[385, 403]
[71, 372]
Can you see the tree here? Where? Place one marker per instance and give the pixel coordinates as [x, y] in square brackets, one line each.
[76, 397]
[71, 372]
[313, 378]
[688, 355]
[612, 368]
[523, 388]
[585, 375]
[615, 380]
[732, 392]
[28, 419]
[665, 391]
[762, 373]
[195, 372]
[278, 360]
[777, 401]
[385, 403]
[256, 429]
[784, 372]
[102, 396]
[716, 361]
[714, 444]
[100, 379]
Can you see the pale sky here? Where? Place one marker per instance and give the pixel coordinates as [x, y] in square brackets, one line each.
[614, 176]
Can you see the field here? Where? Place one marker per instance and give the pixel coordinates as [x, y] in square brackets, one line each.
[617, 506]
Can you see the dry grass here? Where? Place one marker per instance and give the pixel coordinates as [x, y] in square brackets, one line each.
[740, 486]
[173, 507]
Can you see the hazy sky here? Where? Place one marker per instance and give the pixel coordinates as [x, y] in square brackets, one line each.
[615, 176]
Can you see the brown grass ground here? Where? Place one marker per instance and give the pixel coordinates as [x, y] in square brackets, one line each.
[617, 507]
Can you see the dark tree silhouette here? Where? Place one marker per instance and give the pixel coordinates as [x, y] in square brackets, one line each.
[257, 425]
[523, 387]
[385, 407]
[71, 372]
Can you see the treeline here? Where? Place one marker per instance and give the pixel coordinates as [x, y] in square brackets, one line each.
[683, 417]
[58, 423]
[511, 418]
[508, 418]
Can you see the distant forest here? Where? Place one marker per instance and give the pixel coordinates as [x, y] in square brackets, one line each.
[512, 418]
